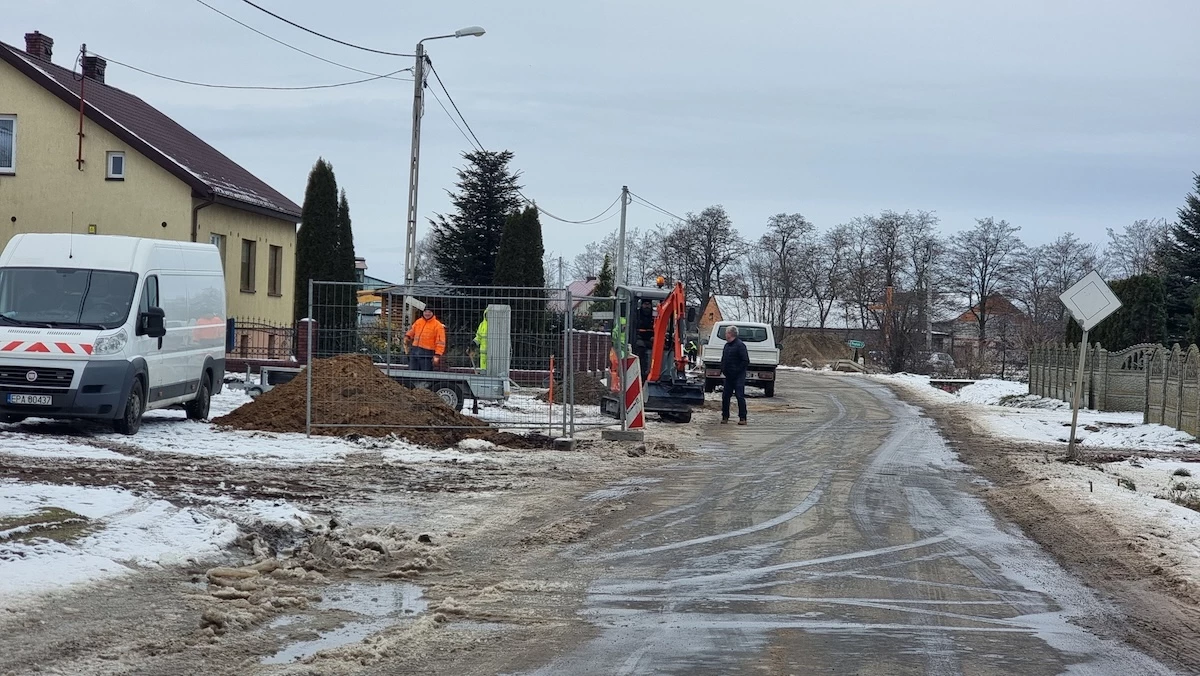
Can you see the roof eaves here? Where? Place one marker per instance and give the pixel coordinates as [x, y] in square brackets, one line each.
[31, 70]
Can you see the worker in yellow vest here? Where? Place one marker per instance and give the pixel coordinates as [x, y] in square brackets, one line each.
[482, 342]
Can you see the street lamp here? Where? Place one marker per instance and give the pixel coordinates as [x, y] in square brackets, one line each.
[410, 243]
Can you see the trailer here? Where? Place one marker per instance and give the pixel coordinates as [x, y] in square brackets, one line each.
[453, 386]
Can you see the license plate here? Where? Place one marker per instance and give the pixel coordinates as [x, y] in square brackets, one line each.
[766, 375]
[31, 399]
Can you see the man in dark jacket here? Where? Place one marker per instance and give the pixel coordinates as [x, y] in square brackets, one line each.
[734, 362]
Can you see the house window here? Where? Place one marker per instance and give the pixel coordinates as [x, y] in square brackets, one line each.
[249, 253]
[219, 242]
[8, 144]
[275, 277]
[115, 161]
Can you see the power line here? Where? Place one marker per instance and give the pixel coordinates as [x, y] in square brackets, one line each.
[252, 87]
[451, 98]
[453, 120]
[322, 35]
[281, 42]
[647, 203]
[479, 146]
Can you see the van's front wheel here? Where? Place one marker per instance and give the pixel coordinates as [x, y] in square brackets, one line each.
[131, 420]
[197, 409]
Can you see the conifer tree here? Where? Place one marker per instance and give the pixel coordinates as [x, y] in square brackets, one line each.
[467, 240]
[318, 230]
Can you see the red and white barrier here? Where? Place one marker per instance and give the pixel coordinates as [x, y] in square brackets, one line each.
[635, 417]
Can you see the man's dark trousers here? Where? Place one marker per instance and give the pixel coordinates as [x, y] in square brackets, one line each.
[734, 386]
[420, 359]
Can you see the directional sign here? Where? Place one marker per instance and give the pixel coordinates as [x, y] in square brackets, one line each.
[1090, 300]
[857, 344]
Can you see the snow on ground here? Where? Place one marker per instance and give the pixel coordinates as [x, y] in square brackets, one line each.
[1007, 410]
[169, 431]
[103, 532]
[525, 412]
[1130, 496]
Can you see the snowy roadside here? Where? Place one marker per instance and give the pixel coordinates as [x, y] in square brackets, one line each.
[1005, 409]
[1149, 503]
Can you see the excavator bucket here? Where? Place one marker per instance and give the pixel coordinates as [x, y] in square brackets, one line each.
[674, 400]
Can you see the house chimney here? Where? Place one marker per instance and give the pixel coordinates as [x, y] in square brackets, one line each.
[93, 67]
[39, 46]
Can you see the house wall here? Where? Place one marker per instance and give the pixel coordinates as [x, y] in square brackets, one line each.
[236, 225]
[49, 193]
[709, 316]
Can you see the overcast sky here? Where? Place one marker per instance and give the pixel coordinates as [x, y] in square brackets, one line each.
[1057, 115]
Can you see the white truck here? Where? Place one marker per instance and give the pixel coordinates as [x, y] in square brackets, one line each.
[106, 328]
[760, 345]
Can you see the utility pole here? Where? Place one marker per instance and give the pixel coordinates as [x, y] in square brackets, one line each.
[560, 275]
[414, 164]
[619, 278]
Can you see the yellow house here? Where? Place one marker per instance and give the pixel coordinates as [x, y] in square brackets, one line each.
[115, 165]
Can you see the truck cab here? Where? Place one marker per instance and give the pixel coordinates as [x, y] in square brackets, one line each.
[760, 345]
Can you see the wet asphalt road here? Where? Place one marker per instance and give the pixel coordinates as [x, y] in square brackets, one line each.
[835, 535]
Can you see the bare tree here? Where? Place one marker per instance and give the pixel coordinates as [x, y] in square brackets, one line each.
[1034, 291]
[984, 262]
[1137, 249]
[707, 246]
[779, 256]
[824, 270]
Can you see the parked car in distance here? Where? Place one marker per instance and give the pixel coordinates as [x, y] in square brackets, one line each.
[941, 362]
[760, 346]
[107, 327]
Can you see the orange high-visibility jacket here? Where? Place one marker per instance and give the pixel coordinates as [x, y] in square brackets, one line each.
[430, 335]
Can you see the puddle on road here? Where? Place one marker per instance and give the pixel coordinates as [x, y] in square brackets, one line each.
[379, 604]
[620, 489]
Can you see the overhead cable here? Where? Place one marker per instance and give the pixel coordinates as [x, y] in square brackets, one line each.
[285, 44]
[322, 35]
[252, 87]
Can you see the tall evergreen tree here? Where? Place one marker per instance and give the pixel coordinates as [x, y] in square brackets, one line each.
[318, 228]
[1142, 317]
[519, 259]
[604, 286]
[342, 260]
[1182, 255]
[467, 241]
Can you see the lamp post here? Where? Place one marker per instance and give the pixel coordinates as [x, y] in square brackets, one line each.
[410, 242]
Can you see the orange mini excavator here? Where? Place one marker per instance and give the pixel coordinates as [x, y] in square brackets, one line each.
[668, 391]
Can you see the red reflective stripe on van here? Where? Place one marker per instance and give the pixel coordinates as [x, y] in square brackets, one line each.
[37, 347]
[87, 348]
[65, 348]
[12, 346]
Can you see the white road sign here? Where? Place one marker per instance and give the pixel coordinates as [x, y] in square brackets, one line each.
[1090, 300]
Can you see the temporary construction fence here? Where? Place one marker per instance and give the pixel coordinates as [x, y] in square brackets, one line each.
[508, 355]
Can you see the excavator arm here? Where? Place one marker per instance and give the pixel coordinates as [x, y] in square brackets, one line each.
[671, 311]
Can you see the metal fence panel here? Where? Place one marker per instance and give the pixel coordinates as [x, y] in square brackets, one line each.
[504, 350]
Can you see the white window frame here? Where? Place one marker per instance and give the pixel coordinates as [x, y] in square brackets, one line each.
[13, 168]
[109, 174]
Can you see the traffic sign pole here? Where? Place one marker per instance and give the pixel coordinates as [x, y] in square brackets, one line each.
[1072, 453]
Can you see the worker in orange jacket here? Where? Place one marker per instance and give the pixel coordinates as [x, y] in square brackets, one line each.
[427, 342]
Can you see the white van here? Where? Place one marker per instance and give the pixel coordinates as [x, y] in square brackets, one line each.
[108, 327]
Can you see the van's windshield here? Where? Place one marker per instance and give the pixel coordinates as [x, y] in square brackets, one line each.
[66, 297]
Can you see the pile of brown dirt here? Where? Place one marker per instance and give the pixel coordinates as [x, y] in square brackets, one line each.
[350, 390]
[820, 349]
[588, 390]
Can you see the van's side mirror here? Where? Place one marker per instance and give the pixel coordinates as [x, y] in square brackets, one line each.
[691, 315]
[150, 323]
[704, 341]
